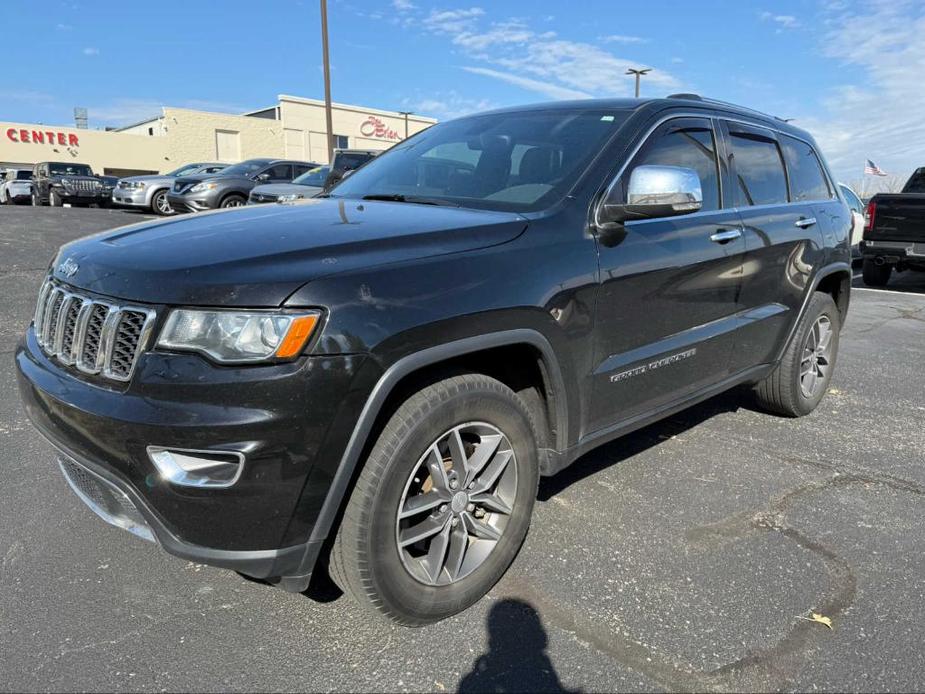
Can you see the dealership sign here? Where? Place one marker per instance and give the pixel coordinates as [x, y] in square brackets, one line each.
[374, 127]
[42, 137]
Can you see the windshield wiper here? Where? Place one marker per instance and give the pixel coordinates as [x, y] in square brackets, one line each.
[415, 199]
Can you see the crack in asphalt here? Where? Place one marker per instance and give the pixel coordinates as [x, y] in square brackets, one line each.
[773, 667]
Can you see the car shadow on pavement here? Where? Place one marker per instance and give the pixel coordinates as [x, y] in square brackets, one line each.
[516, 660]
[632, 444]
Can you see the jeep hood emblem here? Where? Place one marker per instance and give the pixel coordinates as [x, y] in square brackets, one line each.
[68, 268]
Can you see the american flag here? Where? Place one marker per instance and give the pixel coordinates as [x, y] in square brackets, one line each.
[873, 169]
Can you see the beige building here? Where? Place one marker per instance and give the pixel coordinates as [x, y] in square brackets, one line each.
[294, 128]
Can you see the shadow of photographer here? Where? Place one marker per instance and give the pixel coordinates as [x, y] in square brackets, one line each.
[516, 660]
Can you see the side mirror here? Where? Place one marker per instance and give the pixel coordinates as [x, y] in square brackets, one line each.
[348, 172]
[262, 178]
[654, 191]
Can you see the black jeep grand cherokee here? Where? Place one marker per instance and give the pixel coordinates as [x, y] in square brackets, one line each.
[373, 382]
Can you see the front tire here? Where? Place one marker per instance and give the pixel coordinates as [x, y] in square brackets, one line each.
[233, 200]
[443, 503]
[801, 379]
[54, 199]
[875, 275]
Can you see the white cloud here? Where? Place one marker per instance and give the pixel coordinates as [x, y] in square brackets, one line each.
[403, 5]
[445, 105]
[514, 52]
[621, 38]
[91, 51]
[784, 21]
[548, 89]
[452, 21]
[63, 27]
[878, 113]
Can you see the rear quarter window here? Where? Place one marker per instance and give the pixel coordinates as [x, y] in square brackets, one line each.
[807, 180]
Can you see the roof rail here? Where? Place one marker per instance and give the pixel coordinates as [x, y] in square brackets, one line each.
[686, 95]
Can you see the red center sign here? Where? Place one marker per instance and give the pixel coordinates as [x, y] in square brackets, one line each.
[373, 127]
[42, 137]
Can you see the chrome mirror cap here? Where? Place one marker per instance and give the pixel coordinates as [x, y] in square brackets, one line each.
[655, 191]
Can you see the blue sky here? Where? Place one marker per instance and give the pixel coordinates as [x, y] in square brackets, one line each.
[848, 71]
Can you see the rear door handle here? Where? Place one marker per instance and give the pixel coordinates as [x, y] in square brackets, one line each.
[805, 222]
[726, 235]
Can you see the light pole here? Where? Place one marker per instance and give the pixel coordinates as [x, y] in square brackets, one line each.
[327, 80]
[406, 114]
[638, 73]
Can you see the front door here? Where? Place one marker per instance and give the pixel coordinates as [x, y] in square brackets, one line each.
[666, 309]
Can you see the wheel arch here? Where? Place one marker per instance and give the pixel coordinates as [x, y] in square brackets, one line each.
[425, 366]
[833, 279]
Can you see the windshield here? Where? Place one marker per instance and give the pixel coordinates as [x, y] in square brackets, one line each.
[70, 170]
[245, 168]
[916, 183]
[313, 177]
[184, 170]
[520, 162]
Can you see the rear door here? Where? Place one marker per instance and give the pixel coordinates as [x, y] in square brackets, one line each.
[783, 237]
[665, 313]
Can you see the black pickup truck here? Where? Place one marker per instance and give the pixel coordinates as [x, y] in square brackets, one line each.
[894, 233]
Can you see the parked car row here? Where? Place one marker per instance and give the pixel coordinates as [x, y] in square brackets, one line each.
[191, 188]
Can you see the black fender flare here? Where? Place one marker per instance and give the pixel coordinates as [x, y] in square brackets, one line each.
[383, 388]
[820, 274]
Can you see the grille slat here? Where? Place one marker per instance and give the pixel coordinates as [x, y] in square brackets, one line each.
[96, 336]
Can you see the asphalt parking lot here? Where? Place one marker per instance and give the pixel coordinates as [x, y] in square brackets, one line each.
[678, 558]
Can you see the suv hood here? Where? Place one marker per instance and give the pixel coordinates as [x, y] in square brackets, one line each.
[287, 189]
[257, 256]
[150, 178]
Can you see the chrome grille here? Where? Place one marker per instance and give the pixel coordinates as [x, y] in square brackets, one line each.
[98, 337]
[83, 185]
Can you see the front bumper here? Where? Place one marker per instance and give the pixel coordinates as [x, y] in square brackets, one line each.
[282, 417]
[130, 198]
[18, 193]
[193, 202]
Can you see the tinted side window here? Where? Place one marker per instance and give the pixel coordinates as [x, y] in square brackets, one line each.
[299, 169]
[807, 181]
[686, 144]
[759, 170]
[280, 172]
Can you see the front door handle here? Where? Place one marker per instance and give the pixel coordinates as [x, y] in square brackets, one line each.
[804, 222]
[726, 235]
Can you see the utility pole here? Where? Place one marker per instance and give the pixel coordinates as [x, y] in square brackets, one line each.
[327, 80]
[638, 73]
[406, 114]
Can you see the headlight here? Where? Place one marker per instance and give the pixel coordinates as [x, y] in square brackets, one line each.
[67, 182]
[201, 187]
[134, 185]
[238, 336]
[290, 198]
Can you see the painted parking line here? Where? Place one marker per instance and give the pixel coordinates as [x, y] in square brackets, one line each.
[888, 291]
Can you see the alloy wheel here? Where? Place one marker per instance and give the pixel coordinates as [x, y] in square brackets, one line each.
[456, 504]
[162, 205]
[816, 357]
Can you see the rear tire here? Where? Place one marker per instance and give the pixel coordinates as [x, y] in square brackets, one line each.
[802, 377]
[444, 572]
[876, 275]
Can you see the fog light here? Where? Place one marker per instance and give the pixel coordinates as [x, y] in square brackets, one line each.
[191, 468]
